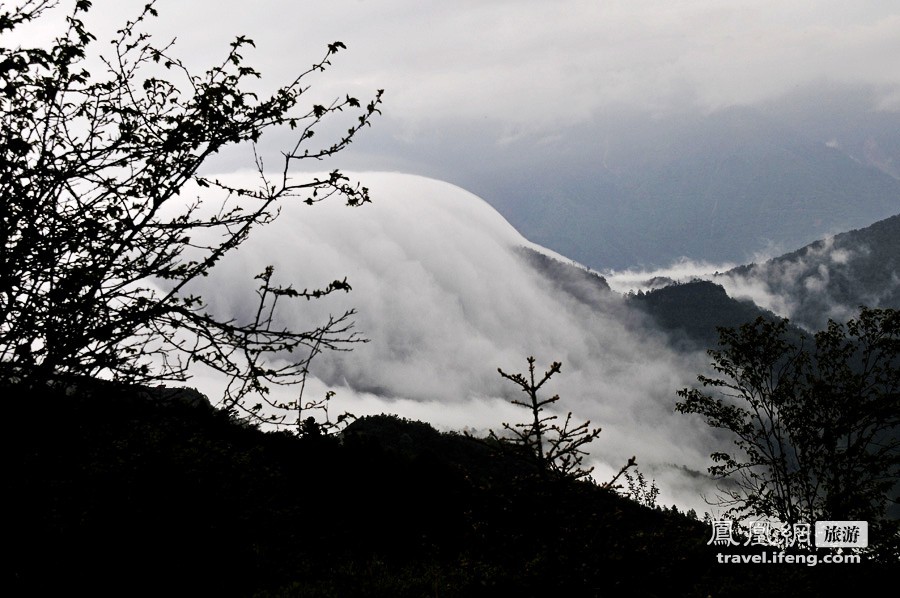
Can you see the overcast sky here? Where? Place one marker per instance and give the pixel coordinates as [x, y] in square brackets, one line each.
[528, 67]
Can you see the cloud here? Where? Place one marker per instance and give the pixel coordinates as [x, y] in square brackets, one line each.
[796, 288]
[439, 289]
[535, 66]
[528, 101]
[800, 287]
[446, 298]
[681, 270]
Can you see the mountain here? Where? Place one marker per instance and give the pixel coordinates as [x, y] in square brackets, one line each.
[719, 187]
[829, 278]
[691, 312]
[583, 284]
[116, 489]
[116, 494]
[448, 291]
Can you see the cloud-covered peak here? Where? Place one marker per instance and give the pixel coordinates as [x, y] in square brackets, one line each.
[445, 295]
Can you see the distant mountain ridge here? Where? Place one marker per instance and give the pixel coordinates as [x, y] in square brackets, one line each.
[832, 277]
[584, 285]
[829, 278]
[687, 314]
[690, 313]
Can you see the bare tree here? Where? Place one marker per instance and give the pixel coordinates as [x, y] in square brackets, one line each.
[553, 447]
[105, 224]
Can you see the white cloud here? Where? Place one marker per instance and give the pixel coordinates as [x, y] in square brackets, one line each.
[446, 299]
[681, 270]
[535, 66]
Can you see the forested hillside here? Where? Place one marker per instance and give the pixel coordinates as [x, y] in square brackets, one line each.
[691, 312]
[832, 277]
[125, 492]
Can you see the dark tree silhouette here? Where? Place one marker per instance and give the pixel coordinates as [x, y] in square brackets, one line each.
[105, 224]
[553, 447]
[816, 429]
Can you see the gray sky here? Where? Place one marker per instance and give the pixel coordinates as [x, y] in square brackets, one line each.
[529, 67]
[524, 102]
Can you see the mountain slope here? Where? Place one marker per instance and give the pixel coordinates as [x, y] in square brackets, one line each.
[830, 278]
[120, 495]
[691, 312]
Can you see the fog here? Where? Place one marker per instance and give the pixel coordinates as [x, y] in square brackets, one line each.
[445, 299]
[771, 285]
[825, 280]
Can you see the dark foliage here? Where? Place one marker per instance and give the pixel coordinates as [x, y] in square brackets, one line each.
[692, 312]
[117, 491]
[815, 425]
[104, 222]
